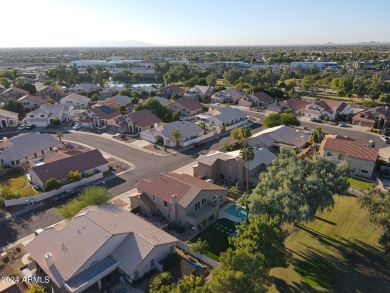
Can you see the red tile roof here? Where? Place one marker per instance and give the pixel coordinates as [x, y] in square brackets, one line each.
[190, 104]
[294, 104]
[36, 99]
[176, 89]
[349, 147]
[184, 186]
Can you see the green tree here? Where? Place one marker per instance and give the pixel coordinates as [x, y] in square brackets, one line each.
[376, 86]
[15, 106]
[247, 155]
[163, 279]
[211, 80]
[263, 234]
[295, 189]
[272, 120]
[317, 135]
[200, 246]
[244, 202]
[35, 288]
[289, 119]
[176, 136]
[74, 176]
[377, 203]
[235, 134]
[134, 101]
[93, 195]
[95, 97]
[5, 82]
[59, 135]
[52, 183]
[385, 98]
[360, 87]
[56, 122]
[175, 116]
[202, 125]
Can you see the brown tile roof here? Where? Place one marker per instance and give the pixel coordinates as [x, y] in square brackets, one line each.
[176, 89]
[15, 89]
[186, 187]
[373, 114]
[330, 105]
[294, 104]
[60, 169]
[143, 118]
[91, 229]
[105, 112]
[264, 97]
[349, 147]
[36, 99]
[190, 104]
[52, 89]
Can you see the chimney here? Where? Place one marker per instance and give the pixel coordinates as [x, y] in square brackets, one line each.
[174, 197]
[49, 259]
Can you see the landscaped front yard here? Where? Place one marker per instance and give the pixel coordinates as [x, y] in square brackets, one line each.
[359, 184]
[338, 252]
[217, 237]
[16, 186]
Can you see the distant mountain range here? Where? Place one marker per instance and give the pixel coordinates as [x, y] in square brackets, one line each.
[370, 43]
[128, 43]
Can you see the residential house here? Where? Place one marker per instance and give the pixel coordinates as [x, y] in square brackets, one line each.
[116, 102]
[327, 108]
[8, 119]
[228, 96]
[181, 199]
[360, 157]
[77, 101]
[84, 87]
[46, 114]
[96, 245]
[12, 93]
[8, 285]
[169, 90]
[51, 92]
[146, 90]
[199, 91]
[32, 102]
[98, 116]
[110, 92]
[261, 99]
[86, 163]
[22, 148]
[136, 122]
[229, 168]
[163, 101]
[222, 117]
[245, 102]
[378, 117]
[296, 105]
[278, 136]
[186, 107]
[162, 133]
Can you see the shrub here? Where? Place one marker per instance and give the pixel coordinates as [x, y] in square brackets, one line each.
[52, 184]
[6, 259]
[170, 261]
[74, 176]
[89, 174]
[160, 280]
[110, 167]
[18, 249]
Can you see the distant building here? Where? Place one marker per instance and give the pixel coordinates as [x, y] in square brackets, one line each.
[378, 117]
[186, 107]
[319, 65]
[51, 92]
[46, 114]
[327, 108]
[77, 101]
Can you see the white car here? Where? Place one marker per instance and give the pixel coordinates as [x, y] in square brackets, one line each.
[22, 127]
[385, 138]
[77, 126]
[248, 124]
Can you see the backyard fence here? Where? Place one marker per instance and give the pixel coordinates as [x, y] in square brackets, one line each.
[202, 257]
[52, 193]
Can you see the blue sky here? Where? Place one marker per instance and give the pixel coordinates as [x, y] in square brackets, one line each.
[194, 22]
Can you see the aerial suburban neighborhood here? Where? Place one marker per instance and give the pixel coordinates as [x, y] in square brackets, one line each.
[194, 160]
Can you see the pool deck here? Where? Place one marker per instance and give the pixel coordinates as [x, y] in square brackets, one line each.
[223, 214]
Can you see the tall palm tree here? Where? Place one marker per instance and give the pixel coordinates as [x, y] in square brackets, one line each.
[233, 192]
[176, 136]
[317, 136]
[59, 136]
[247, 155]
[245, 132]
[244, 202]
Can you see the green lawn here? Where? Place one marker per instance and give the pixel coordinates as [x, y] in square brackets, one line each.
[359, 184]
[338, 252]
[217, 237]
[17, 184]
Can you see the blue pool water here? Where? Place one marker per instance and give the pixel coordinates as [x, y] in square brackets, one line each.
[237, 212]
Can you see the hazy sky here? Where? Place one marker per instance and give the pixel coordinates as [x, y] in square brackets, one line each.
[32, 23]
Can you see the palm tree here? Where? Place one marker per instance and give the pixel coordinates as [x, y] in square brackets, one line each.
[233, 192]
[59, 136]
[244, 202]
[176, 136]
[247, 155]
[245, 132]
[317, 136]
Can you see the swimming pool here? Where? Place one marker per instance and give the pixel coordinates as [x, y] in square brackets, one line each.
[235, 211]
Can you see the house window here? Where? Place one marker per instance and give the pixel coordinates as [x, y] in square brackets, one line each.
[12, 163]
[43, 116]
[364, 171]
[328, 154]
[204, 200]
[165, 204]
[341, 157]
[31, 116]
[197, 206]
[35, 155]
[221, 198]
[152, 263]
[17, 162]
[43, 152]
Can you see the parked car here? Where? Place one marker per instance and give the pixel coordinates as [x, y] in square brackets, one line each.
[77, 126]
[385, 138]
[386, 173]
[22, 127]
[199, 144]
[248, 124]
[342, 124]
[30, 126]
[315, 120]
